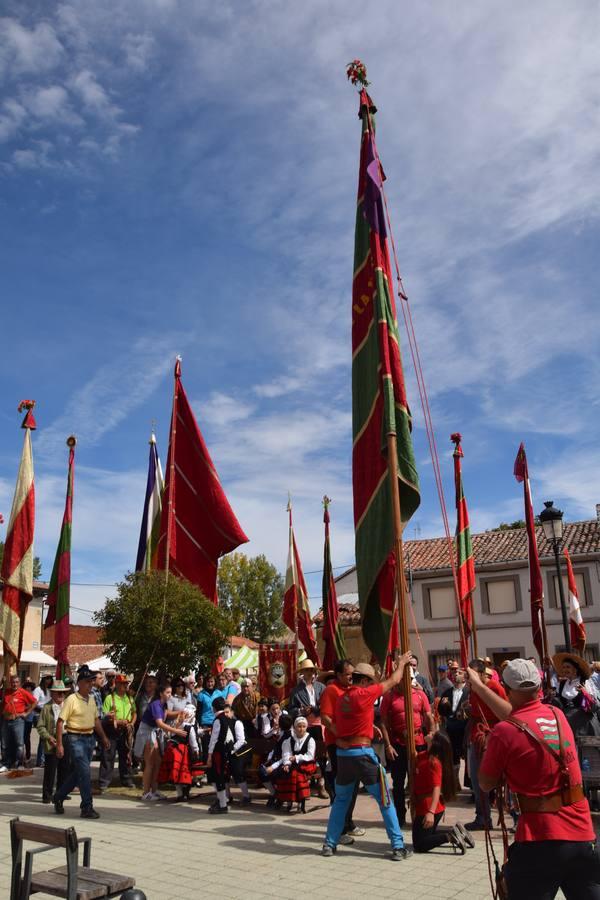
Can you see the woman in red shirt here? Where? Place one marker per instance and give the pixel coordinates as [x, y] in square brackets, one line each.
[435, 782]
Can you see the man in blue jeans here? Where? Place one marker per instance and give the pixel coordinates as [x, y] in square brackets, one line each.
[77, 725]
[352, 725]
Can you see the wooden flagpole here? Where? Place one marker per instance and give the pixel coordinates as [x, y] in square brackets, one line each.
[292, 551]
[400, 604]
[172, 436]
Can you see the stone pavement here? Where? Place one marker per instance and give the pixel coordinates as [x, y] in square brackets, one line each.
[176, 851]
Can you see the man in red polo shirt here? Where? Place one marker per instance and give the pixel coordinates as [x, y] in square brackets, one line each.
[16, 706]
[393, 727]
[335, 687]
[482, 718]
[357, 761]
[534, 750]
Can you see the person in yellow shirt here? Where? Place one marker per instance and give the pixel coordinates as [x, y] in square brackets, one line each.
[77, 726]
[119, 719]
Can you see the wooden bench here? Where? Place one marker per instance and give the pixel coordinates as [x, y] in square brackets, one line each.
[74, 882]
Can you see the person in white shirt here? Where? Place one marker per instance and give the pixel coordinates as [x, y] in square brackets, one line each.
[228, 755]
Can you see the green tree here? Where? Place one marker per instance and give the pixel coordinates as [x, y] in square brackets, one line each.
[170, 626]
[511, 526]
[37, 565]
[251, 590]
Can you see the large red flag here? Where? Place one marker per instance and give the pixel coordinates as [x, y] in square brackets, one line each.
[17, 563]
[465, 570]
[197, 524]
[333, 636]
[59, 590]
[296, 609]
[536, 589]
[578, 635]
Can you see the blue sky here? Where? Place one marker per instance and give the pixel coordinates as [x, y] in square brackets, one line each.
[180, 177]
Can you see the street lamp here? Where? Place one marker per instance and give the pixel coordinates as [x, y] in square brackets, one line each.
[552, 523]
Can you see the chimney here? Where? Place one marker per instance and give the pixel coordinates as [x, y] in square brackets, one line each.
[598, 511]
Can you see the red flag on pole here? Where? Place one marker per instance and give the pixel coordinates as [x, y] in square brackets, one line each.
[333, 636]
[536, 589]
[197, 524]
[59, 590]
[578, 635]
[17, 563]
[296, 609]
[465, 572]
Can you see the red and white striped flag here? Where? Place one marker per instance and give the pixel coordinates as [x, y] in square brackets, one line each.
[578, 635]
[17, 563]
[296, 609]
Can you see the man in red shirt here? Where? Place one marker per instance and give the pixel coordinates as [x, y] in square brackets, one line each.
[16, 706]
[393, 727]
[482, 719]
[534, 750]
[352, 726]
[342, 680]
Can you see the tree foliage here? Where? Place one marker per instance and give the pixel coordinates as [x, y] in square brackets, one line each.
[251, 590]
[37, 564]
[511, 526]
[190, 636]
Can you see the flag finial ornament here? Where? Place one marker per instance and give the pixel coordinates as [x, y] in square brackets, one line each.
[178, 366]
[29, 420]
[456, 438]
[356, 72]
[71, 441]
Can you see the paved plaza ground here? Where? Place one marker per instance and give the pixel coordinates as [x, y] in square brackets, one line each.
[177, 851]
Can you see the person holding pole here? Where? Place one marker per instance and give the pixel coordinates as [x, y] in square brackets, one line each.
[356, 759]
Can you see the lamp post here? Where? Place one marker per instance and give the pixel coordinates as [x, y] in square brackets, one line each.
[552, 523]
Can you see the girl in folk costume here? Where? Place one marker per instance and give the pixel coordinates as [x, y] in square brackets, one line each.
[297, 766]
[266, 722]
[175, 766]
[228, 754]
[575, 694]
[435, 783]
[272, 768]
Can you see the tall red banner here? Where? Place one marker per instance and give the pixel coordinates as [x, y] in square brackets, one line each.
[277, 670]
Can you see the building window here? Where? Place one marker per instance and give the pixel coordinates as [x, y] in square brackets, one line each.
[583, 589]
[439, 601]
[501, 595]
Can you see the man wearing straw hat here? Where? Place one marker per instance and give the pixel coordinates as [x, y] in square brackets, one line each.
[533, 749]
[54, 768]
[356, 759]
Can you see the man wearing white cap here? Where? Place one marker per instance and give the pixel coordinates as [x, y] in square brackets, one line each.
[533, 748]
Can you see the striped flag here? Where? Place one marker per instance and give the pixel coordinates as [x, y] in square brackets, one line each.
[465, 572]
[296, 609]
[578, 635]
[197, 524]
[333, 635]
[379, 403]
[536, 588]
[59, 589]
[17, 563]
[150, 530]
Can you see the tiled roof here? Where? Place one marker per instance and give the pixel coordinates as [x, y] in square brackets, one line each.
[349, 614]
[239, 641]
[500, 546]
[78, 634]
[79, 653]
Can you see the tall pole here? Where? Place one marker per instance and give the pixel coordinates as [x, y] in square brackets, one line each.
[170, 511]
[561, 591]
[400, 604]
[474, 630]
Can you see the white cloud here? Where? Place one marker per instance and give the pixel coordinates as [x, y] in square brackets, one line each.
[101, 403]
[28, 50]
[12, 115]
[222, 410]
[139, 49]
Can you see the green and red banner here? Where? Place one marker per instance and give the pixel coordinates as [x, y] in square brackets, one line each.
[465, 563]
[17, 563]
[296, 608]
[333, 636]
[59, 589]
[379, 403]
